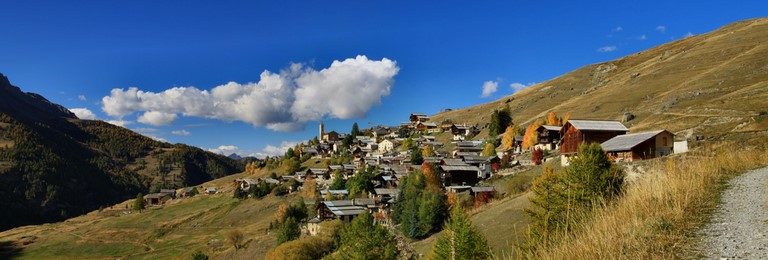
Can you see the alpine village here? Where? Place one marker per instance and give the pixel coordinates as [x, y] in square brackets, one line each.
[624, 159]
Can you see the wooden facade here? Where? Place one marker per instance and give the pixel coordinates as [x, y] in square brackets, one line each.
[572, 138]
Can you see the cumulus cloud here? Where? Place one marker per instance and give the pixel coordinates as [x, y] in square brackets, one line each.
[641, 37]
[271, 150]
[122, 123]
[517, 86]
[282, 101]
[661, 28]
[82, 97]
[181, 132]
[607, 48]
[83, 113]
[689, 34]
[617, 29]
[156, 118]
[224, 149]
[489, 87]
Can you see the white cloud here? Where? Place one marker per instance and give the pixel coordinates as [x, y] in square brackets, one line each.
[83, 113]
[145, 130]
[641, 37]
[156, 118]
[489, 87]
[617, 29]
[661, 28]
[271, 150]
[689, 34]
[82, 97]
[282, 101]
[517, 86]
[227, 150]
[122, 123]
[607, 49]
[181, 132]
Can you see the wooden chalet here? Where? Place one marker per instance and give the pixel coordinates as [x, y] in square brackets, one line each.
[576, 132]
[418, 118]
[346, 210]
[640, 146]
[460, 175]
[549, 137]
[155, 199]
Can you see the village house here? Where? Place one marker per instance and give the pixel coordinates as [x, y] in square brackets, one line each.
[461, 132]
[246, 184]
[484, 163]
[576, 132]
[418, 118]
[640, 146]
[482, 194]
[428, 127]
[335, 194]
[210, 190]
[345, 210]
[156, 199]
[460, 175]
[387, 145]
[549, 137]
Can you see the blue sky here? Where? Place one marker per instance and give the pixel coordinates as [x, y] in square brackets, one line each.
[392, 58]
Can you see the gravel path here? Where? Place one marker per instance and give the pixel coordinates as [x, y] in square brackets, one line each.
[739, 227]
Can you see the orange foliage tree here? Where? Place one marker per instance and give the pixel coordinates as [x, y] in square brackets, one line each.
[552, 119]
[430, 177]
[531, 137]
[566, 117]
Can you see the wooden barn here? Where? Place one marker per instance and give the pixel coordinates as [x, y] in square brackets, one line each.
[576, 132]
[640, 146]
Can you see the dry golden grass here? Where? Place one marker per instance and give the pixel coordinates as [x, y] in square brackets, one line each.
[660, 213]
[708, 84]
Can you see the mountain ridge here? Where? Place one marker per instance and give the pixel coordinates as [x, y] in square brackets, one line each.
[54, 166]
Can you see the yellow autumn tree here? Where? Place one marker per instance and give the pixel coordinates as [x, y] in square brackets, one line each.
[553, 120]
[309, 190]
[565, 118]
[489, 150]
[430, 177]
[428, 151]
[280, 213]
[531, 137]
[508, 139]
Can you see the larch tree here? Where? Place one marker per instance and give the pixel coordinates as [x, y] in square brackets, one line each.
[138, 203]
[552, 119]
[489, 150]
[531, 137]
[430, 177]
[508, 140]
[428, 151]
[566, 117]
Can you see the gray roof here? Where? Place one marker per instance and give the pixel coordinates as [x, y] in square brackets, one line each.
[336, 192]
[483, 189]
[465, 143]
[467, 154]
[448, 168]
[476, 159]
[627, 142]
[596, 125]
[552, 127]
[391, 192]
[454, 162]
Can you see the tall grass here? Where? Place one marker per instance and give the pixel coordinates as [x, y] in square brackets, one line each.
[659, 214]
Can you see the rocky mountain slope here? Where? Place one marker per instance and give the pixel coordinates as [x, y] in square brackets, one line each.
[711, 85]
[54, 166]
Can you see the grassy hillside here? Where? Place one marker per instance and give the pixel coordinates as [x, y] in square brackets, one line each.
[176, 229]
[710, 84]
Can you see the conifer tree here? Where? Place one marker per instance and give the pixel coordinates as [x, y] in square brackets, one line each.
[138, 203]
[460, 239]
[364, 239]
